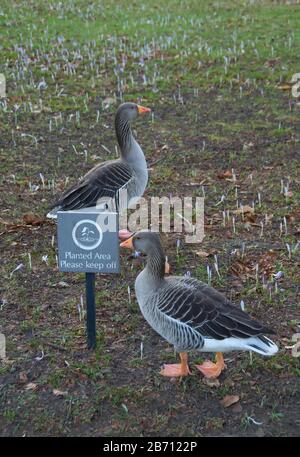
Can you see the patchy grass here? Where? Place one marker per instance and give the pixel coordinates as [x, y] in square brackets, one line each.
[225, 123]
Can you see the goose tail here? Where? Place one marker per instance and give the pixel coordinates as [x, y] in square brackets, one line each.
[52, 214]
[262, 345]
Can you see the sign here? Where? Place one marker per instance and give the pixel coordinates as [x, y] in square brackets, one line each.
[88, 241]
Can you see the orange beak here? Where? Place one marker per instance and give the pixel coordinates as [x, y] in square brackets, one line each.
[142, 109]
[127, 243]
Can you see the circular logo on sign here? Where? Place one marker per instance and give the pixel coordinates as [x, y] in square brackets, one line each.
[87, 234]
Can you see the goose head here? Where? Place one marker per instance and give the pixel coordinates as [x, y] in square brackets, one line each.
[149, 244]
[129, 111]
[126, 113]
[145, 242]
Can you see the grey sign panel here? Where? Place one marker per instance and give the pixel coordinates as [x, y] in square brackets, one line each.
[88, 241]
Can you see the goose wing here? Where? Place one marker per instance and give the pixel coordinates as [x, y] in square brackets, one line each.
[104, 180]
[206, 310]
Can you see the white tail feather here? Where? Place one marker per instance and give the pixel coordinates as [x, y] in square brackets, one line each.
[262, 345]
[52, 214]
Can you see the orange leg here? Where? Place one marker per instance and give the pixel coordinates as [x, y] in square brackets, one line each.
[210, 369]
[178, 369]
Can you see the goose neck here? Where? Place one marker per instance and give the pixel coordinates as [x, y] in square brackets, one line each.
[156, 264]
[123, 133]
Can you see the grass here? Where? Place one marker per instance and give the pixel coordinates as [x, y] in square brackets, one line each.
[217, 76]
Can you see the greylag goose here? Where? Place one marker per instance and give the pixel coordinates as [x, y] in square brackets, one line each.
[189, 314]
[106, 179]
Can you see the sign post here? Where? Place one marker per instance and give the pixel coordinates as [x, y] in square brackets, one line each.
[88, 242]
[90, 310]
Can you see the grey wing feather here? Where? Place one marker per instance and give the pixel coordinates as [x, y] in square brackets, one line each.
[104, 180]
[206, 310]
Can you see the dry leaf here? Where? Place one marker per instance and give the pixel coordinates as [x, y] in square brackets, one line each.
[206, 253]
[31, 219]
[59, 393]
[23, 377]
[271, 63]
[31, 386]
[293, 216]
[244, 209]
[284, 87]
[62, 284]
[266, 263]
[251, 218]
[211, 382]
[229, 400]
[202, 254]
[225, 174]
[215, 218]
[241, 270]
[109, 101]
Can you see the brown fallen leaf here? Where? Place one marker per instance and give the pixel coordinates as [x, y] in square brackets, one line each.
[109, 101]
[31, 219]
[59, 393]
[61, 284]
[31, 386]
[293, 216]
[284, 86]
[225, 174]
[266, 263]
[202, 253]
[23, 377]
[250, 217]
[211, 382]
[215, 218]
[253, 224]
[244, 210]
[271, 63]
[241, 269]
[229, 400]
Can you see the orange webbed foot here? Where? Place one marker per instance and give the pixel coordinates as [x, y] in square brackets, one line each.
[210, 369]
[175, 370]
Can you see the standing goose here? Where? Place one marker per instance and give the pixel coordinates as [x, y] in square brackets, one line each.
[105, 180]
[189, 314]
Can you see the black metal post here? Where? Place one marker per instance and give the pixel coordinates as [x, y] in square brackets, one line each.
[90, 310]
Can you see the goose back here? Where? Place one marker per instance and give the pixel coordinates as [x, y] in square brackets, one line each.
[192, 315]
